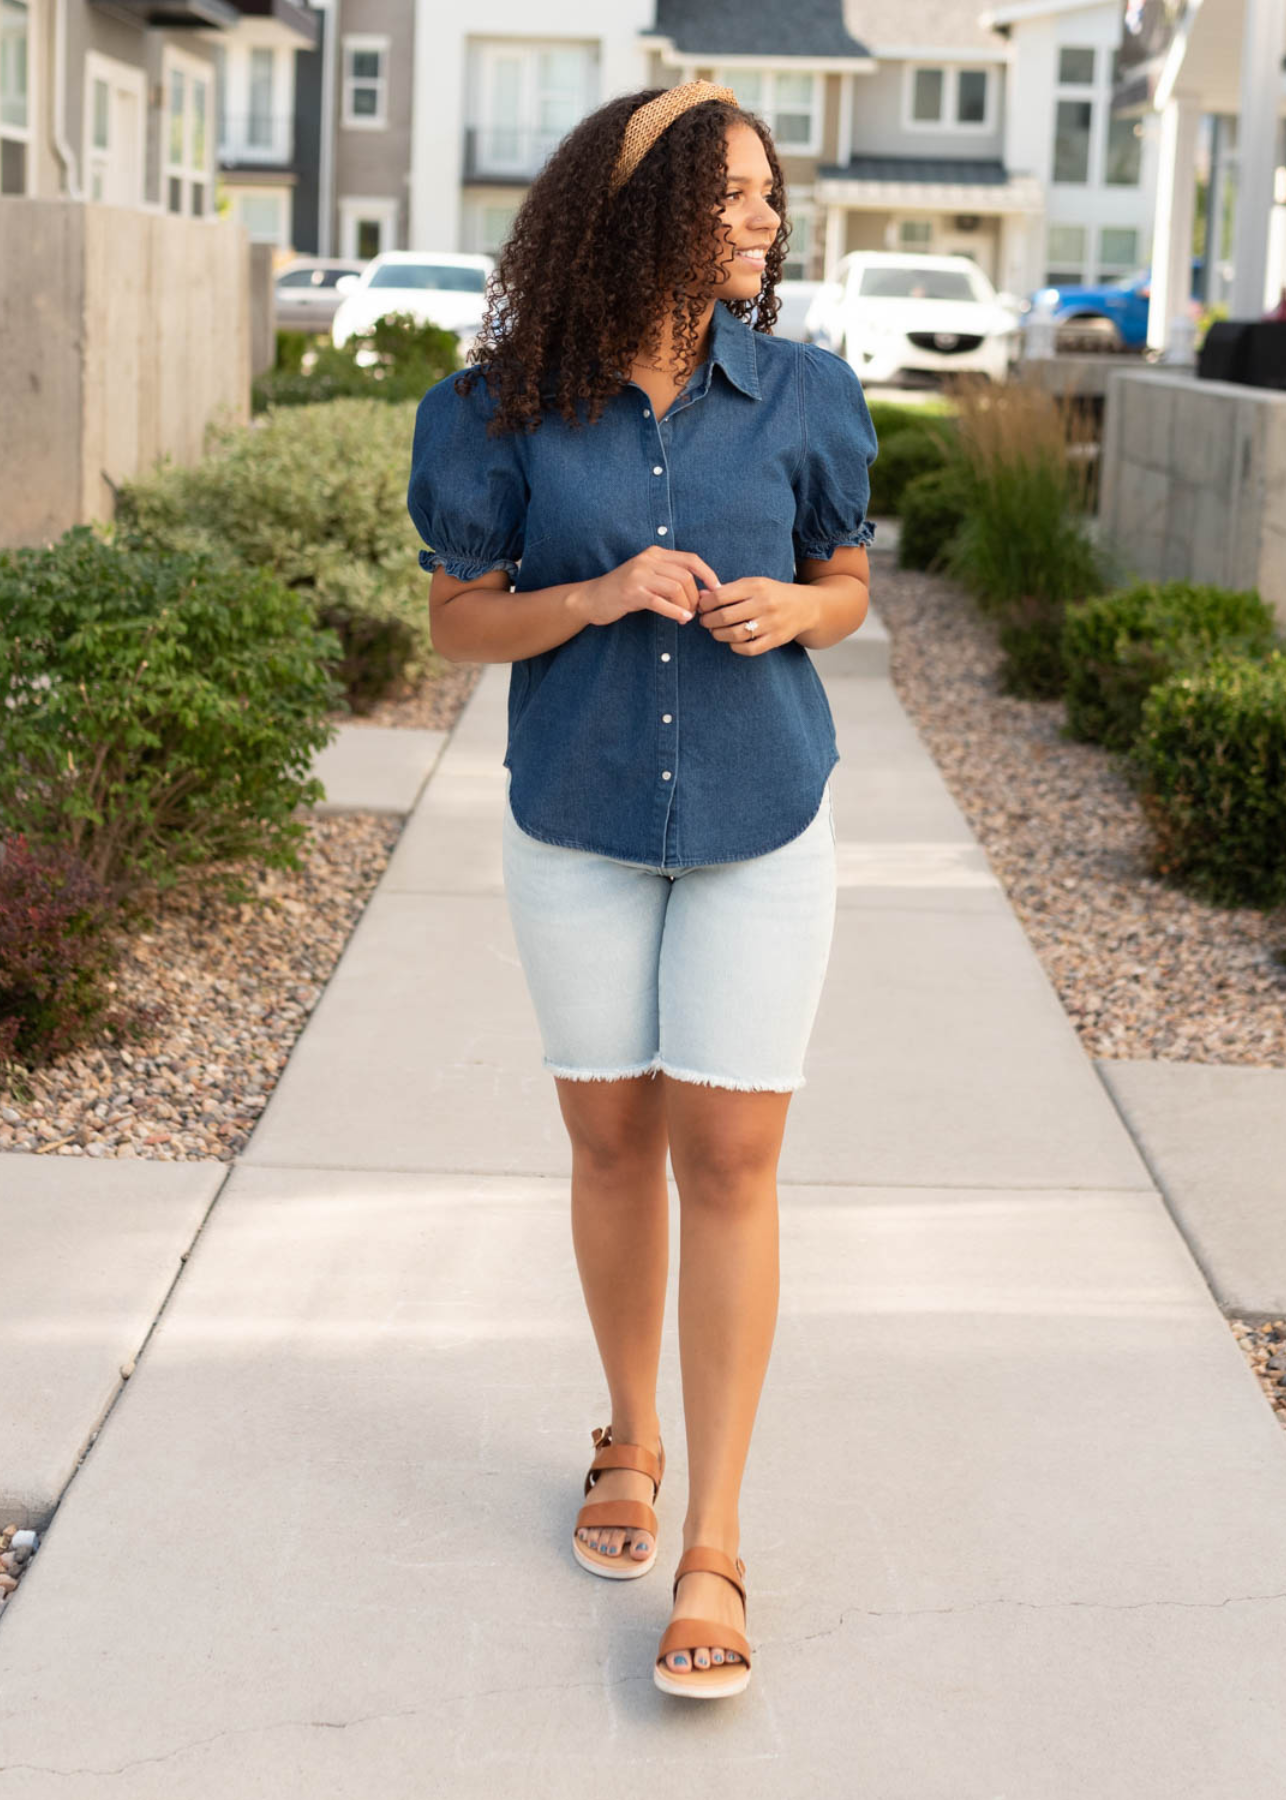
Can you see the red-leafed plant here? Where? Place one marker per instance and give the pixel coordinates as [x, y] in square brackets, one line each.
[55, 950]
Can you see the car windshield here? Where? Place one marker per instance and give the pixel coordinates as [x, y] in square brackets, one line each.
[883, 283]
[449, 277]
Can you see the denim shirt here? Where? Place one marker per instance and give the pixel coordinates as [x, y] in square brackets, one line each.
[648, 740]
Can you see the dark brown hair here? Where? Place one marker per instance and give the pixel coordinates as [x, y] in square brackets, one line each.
[586, 277]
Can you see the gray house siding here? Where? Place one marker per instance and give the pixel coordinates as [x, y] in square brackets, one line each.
[877, 119]
[376, 164]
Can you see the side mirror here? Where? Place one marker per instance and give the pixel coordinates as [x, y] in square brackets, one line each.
[346, 284]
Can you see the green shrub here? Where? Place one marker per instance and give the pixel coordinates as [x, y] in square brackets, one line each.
[291, 346]
[889, 419]
[1210, 764]
[158, 713]
[1023, 537]
[1118, 646]
[903, 457]
[317, 496]
[55, 953]
[400, 358]
[1031, 636]
[933, 510]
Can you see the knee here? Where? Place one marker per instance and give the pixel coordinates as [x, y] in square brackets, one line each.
[608, 1137]
[726, 1174]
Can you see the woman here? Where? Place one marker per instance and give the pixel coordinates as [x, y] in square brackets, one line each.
[686, 496]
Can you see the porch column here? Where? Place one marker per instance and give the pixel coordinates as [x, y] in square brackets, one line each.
[1263, 28]
[1173, 219]
[835, 216]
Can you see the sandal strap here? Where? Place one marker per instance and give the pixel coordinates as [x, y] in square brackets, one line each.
[634, 1515]
[686, 1634]
[714, 1562]
[611, 1455]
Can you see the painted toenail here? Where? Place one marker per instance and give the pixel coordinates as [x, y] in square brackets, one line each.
[680, 1662]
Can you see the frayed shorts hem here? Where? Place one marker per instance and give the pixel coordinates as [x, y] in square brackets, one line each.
[657, 1064]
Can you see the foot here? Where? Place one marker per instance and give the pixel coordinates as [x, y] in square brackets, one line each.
[622, 1484]
[701, 1595]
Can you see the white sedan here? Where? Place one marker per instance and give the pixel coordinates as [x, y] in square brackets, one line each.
[891, 314]
[445, 288]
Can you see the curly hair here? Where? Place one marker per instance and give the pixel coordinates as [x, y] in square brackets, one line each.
[586, 278]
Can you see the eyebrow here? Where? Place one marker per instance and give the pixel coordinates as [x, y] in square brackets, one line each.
[748, 180]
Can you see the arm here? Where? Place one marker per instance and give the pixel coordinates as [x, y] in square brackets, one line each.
[840, 589]
[469, 624]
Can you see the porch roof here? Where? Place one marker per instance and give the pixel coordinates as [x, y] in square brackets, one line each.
[928, 184]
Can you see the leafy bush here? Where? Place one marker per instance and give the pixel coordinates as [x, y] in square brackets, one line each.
[157, 712]
[54, 951]
[933, 510]
[317, 496]
[889, 419]
[903, 457]
[1023, 537]
[1210, 764]
[1031, 636]
[292, 346]
[1119, 646]
[398, 358]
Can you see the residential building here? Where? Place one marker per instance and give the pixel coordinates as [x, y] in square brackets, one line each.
[115, 100]
[268, 122]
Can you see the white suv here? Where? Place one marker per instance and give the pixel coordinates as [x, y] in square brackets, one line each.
[444, 288]
[895, 313]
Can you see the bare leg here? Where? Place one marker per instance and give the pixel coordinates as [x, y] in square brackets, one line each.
[620, 1232]
[725, 1145]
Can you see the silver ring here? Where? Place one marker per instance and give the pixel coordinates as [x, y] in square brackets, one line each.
[752, 626]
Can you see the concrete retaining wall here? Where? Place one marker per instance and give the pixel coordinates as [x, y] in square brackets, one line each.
[124, 333]
[1194, 481]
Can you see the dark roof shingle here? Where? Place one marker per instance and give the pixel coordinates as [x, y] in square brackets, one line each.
[937, 169]
[757, 28]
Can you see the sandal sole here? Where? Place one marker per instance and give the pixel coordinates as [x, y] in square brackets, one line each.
[630, 1569]
[697, 1690]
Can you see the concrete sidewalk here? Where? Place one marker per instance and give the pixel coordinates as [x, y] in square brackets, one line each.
[1012, 1514]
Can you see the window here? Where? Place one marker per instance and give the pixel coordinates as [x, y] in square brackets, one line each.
[884, 281]
[1075, 68]
[1118, 249]
[915, 234]
[497, 223]
[951, 99]
[1072, 120]
[927, 103]
[529, 97]
[259, 120]
[1124, 151]
[440, 278]
[365, 82]
[971, 97]
[787, 102]
[187, 149]
[1066, 250]
[366, 227]
[264, 215]
[15, 84]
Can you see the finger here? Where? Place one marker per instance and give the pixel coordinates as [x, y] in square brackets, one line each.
[666, 594]
[673, 564]
[697, 563]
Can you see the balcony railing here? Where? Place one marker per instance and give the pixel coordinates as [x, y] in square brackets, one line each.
[257, 137]
[506, 152]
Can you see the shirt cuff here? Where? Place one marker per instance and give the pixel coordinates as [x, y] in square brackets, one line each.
[823, 551]
[467, 568]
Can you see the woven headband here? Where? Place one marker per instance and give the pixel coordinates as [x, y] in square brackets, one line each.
[647, 122]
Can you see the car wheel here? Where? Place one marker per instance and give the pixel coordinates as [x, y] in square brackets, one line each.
[1091, 332]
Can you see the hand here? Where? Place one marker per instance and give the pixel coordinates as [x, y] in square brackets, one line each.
[656, 580]
[782, 610]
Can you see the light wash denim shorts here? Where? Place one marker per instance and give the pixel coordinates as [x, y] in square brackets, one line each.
[712, 974]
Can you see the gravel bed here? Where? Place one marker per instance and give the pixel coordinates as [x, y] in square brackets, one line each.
[233, 985]
[435, 706]
[1143, 970]
[1264, 1347]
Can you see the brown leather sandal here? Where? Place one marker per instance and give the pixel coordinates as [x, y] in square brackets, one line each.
[623, 1515]
[685, 1634]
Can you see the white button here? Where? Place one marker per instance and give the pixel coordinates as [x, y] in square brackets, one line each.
[665, 774]
[658, 470]
[661, 530]
[646, 413]
[665, 656]
[666, 717]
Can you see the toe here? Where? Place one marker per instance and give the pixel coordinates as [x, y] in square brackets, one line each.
[716, 1655]
[677, 1660]
[642, 1546]
[701, 1656]
[613, 1542]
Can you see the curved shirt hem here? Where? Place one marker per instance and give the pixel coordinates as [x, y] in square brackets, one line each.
[683, 862]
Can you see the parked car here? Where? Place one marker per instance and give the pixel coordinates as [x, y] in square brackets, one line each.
[1110, 316]
[306, 291]
[891, 314]
[445, 288]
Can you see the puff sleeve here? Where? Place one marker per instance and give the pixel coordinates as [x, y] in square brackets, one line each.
[467, 493]
[831, 482]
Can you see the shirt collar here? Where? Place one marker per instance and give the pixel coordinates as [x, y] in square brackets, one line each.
[732, 346]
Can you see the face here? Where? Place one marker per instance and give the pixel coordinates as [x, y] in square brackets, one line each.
[747, 221]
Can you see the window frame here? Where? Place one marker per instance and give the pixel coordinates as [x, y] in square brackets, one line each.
[950, 120]
[770, 106]
[99, 67]
[194, 70]
[352, 208]
[357, 42]
[1063, 263]
[26, 135]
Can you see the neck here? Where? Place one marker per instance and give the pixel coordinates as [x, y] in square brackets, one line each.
[666, 360]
